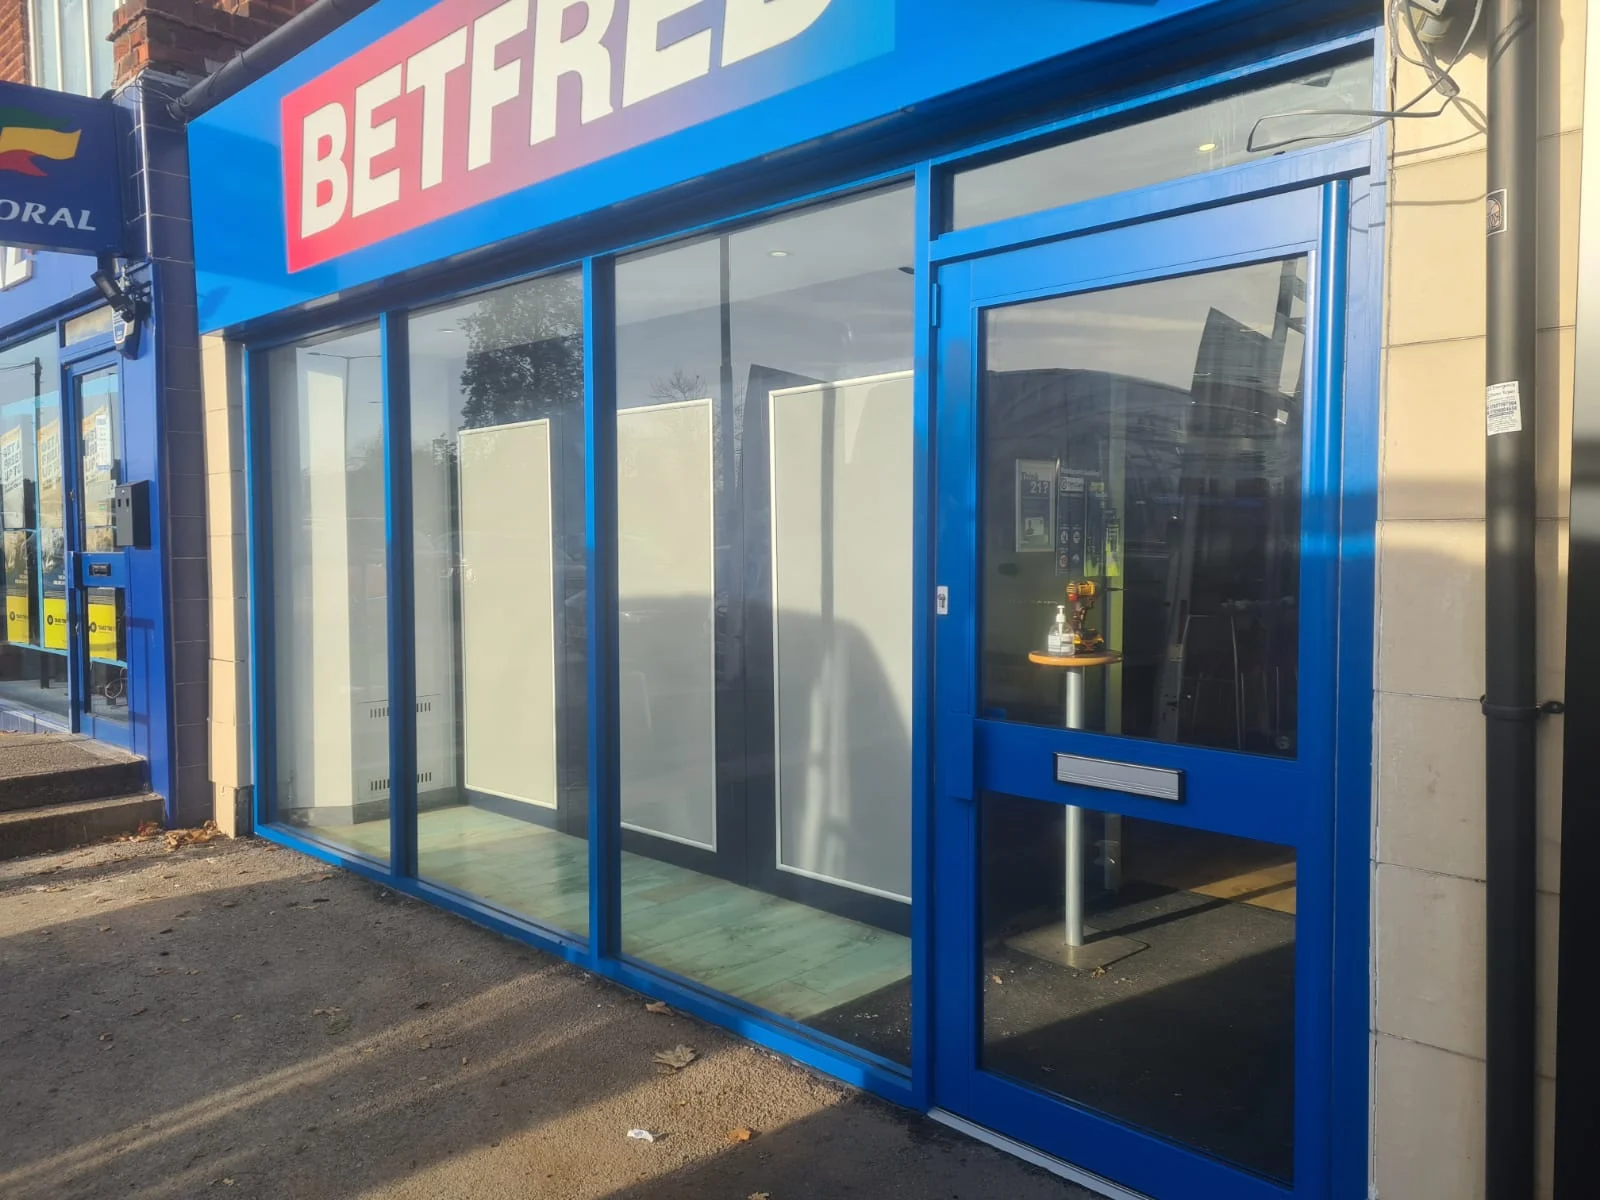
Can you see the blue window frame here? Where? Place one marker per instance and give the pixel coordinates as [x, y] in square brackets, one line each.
[1345, 453]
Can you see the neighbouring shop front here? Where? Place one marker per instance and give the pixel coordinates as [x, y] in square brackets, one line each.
[853, 517]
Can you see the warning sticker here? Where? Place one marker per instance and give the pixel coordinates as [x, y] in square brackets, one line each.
[1504, 408]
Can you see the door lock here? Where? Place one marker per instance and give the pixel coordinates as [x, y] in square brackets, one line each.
[941, 601]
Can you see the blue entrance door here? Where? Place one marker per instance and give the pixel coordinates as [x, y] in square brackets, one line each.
[1138, 435]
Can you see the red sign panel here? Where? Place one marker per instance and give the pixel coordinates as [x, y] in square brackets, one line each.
[474, 99]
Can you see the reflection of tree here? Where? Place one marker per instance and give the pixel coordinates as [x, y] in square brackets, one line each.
[525, 352]
[677, 387]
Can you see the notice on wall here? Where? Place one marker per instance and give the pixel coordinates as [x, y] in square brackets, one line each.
[1036, 504]
[1504, 408]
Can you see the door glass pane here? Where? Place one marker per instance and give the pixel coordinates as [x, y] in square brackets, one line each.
[1297, 112]
[1141, 509]
[33, 661]
[764, 456]
[100, 442]
[329, 590]
[1145, 971]
[497, 458]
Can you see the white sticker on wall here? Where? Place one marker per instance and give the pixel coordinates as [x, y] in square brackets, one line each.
[1504, 408]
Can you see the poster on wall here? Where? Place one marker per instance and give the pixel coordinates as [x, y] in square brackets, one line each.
[19, 586]
[1036, 505]
[12, 479]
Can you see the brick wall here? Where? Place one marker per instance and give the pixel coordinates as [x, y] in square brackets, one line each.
[14, 41]
[190, 37]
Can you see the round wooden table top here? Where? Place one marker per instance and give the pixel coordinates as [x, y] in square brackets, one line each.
[1101, 658]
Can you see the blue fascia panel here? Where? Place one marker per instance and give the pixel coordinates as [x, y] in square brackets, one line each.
[909, 71]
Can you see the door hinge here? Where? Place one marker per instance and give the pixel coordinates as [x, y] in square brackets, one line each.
[934, 305]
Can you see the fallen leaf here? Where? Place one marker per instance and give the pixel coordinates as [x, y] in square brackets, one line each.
[760, 1196]
[179, 838]
[106, 1037]
[330, 1011]
[997, 979]
[138, 1012]
[238, 1016]
[1097, 973]
[105, 929]
[736, 1136]
[677, 1058]
[659, 1007]
[230, 904]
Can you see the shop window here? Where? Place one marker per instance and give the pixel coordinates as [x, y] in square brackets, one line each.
[497, 426]
[1290, 115]
[329, 589]
[97, 322]
[33, 655]
[1142, 455]
[70, 45]
[764, 495]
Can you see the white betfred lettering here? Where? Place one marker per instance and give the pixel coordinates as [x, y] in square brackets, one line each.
[751, 26]
[328, 125]
[83, 222]
[33, 212]
[63, 216]
[367, 192]
[12, 215]
[492, 86]
[427, 70]
[581, 55]
[649, 68]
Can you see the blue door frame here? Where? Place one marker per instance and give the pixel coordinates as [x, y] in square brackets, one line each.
[1225, 792]
[84, 569]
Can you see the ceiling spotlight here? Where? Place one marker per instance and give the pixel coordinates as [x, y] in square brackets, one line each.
[778, 253]
[1205, 147]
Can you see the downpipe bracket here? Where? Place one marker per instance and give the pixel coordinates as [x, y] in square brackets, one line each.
[1514, 712]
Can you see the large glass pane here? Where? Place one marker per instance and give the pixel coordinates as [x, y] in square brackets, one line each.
[33, 659]
[329, 589]
[764, 446]
[1176, 1014]
[102, 57]
[1295, 113]
[100, 445]
[1141, 509]
[43, 18]
[74, 47]
[497, 394]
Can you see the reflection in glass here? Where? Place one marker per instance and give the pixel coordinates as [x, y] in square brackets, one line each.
[33, 660]
[100, 445]
[329, 611]
[1177, 1013]
[1147, 441]
[764, 454]
[1205, 138]
[497, 393]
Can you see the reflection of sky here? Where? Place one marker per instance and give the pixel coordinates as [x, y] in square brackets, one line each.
[1149, 331]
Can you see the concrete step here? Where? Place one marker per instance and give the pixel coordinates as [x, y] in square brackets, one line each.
[45, 769]
[74, 823]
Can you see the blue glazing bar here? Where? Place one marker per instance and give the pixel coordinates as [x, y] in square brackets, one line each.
[258, 590]
[394, 335]
[600, 470]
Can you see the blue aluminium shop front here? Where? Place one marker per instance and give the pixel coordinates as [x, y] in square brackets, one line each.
[851, 516]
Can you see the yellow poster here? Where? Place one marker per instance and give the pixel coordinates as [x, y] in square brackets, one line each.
[55, 622]
[52, 512]
[17, 619]
[103, 626]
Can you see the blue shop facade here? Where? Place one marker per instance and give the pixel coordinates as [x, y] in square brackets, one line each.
[853, 517]
[102, 499]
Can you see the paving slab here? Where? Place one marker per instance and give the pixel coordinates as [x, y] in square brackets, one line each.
[238, 1021]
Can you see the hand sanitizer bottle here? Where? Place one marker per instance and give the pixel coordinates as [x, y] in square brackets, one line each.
[1059, 640]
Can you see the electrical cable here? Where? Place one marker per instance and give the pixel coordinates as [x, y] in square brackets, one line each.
[1439, 80]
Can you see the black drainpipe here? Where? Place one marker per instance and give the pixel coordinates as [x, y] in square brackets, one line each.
[1510, 703]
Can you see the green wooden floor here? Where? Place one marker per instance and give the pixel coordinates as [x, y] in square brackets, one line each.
[782, 956]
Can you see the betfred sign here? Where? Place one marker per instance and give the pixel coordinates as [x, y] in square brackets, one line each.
[474, 99]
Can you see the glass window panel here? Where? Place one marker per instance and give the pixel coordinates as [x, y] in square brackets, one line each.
[497, 426]
[43, 16]
[1188, 142]
[102, 58]
[764, 444]
[1146, 442]
[100, 446]
[31, 513]
[1175, 1012]
[74, 47]
[330, 589]
[92, 324]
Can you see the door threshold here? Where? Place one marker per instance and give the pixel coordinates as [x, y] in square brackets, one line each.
[1048, 1162]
